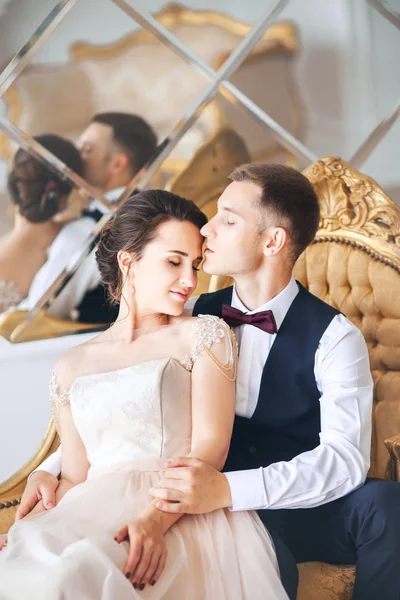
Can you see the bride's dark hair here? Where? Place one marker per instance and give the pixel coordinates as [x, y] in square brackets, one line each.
[134, 225]
[43, 188]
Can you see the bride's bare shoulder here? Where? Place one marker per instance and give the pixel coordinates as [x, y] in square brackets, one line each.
[74, 362]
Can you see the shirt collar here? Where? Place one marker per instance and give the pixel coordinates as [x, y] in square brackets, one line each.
[111, 195]
[279, 305]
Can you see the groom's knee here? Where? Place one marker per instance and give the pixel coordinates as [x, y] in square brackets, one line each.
[378, 502]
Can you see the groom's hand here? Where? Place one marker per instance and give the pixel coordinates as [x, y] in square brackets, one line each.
[41, 486]
[191, 486]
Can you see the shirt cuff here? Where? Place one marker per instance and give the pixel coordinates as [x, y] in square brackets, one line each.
[53, 469]
[247, 489]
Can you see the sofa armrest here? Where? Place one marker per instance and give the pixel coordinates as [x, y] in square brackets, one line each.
[43, 326]
[393, 447]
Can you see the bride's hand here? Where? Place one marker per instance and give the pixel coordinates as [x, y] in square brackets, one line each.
[147, 551]
[3, 542]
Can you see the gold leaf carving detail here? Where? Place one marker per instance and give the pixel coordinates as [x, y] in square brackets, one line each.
[353, 202]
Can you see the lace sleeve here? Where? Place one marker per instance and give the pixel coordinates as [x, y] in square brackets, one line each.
[58, 397]
[209, 330]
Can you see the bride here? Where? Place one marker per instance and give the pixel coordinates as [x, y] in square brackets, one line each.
[154, 385]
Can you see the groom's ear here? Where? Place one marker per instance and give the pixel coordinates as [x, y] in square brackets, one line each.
[276, 238]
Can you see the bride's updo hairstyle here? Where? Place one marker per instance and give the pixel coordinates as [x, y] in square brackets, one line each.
[43, 189]
[134, 225]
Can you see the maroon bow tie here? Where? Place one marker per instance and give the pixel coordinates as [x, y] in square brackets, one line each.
[263, 320]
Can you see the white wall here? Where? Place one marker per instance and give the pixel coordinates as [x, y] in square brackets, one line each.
[25, 371]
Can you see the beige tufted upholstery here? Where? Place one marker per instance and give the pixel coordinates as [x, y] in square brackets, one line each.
[367, 292]
[354, 265]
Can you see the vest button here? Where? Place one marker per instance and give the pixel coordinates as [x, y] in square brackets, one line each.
[252, 449]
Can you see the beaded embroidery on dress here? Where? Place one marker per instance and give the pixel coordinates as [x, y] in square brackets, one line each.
[128, 420]
[208, 330]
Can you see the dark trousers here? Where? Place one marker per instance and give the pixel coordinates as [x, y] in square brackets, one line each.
[362, 528]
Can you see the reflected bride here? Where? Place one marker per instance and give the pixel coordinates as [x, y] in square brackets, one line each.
[38, 195]
[155, 385]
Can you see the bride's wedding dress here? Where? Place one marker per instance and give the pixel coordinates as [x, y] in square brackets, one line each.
[128, 419]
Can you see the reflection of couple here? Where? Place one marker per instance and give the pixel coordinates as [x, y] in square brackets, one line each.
[158, 385]
[113, 148]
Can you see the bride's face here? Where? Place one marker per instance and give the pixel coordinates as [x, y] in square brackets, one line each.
[166, 274]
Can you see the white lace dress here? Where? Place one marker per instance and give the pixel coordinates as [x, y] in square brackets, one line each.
[129, 419]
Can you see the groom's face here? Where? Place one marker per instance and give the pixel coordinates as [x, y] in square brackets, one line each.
[234, 236]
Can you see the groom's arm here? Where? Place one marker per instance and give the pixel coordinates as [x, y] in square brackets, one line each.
[52, 464]
[41, 486]
[331, 470]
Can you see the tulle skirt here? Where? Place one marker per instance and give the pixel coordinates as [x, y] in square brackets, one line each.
[69, 552]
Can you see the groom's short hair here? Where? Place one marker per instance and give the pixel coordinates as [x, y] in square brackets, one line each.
[289, 199]
[132, 134]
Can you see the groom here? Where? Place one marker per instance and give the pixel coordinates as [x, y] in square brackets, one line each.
[300, 449]
[301, 441]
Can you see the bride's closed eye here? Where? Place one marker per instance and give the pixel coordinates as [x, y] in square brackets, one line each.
[177, 264]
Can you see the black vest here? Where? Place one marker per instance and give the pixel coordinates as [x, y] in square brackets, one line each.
[286, 421]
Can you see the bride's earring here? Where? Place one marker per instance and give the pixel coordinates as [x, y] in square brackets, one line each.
[131, 290]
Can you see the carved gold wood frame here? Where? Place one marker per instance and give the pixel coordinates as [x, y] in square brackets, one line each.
[279, 37]
[11, 489]
[355, 211]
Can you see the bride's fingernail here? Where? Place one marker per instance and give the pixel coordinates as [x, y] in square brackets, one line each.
[153, 583]
[141, 587]
[135, 585]
[128, 575]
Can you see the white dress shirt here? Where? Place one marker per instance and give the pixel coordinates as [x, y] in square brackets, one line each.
[342, 373]
[66, 245]
[65, 250]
